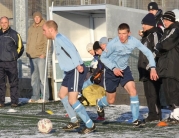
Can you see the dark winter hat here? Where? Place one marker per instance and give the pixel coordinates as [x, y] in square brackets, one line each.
[152, 6]
[96, 45]
[37, 14]
[149, 19]
[169, 15]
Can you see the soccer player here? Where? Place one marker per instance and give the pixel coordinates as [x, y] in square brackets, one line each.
[75, 72]
[115, 58]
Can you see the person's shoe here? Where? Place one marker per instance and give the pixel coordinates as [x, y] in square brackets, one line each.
[100, 118]
[46, 101]
[100, 112]
[71, 126]
[82, 99]
[32, 101]
[1, 105]
[42, 101]
[172, 120]
[138, 123]
[152, 119]
[87, 130]
[39, 101]
[14, 105]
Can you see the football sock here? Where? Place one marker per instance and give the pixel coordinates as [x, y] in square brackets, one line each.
[134, 107]
[80, 110]
[71, 113]
[103, 102]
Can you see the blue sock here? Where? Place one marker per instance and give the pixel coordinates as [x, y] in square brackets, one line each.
[134, 107]
[80, 110]
[71, 113]
[103, 102]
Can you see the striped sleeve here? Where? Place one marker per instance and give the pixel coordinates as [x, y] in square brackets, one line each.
[19, 43]
[20, 47]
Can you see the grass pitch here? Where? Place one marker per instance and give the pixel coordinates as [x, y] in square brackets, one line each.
[23, 123]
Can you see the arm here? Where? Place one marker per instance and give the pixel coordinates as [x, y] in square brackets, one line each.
[106, 54]
[169, 42]
[150, 57]
[44, 47]
[27, 44]
[147, 53]
[107, 62]
[70, 50]
[20, 46]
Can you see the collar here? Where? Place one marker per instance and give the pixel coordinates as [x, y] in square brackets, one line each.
[173, 25]
[5, 31]
[159, 13]
[152, 30]
[40, 24]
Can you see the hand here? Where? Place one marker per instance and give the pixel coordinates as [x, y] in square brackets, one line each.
[140, 33]
[80, 68]
[153, 74]
[118, 72]
[42, 56]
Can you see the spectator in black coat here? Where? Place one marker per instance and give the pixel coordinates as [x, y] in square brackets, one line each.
[167, 67]
[151, 36]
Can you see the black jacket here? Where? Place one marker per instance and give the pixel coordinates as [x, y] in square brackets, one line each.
[150, 39]
[11, 47]
[168, 47]
[159, 22]
[98, 73]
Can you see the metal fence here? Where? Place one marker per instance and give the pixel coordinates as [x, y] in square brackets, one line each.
[6, 6]
[137, 4]
[6, 9]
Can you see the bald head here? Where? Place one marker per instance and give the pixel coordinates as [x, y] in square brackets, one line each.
[52, 24]
[4, 17]
[4, 22]
[50, 29]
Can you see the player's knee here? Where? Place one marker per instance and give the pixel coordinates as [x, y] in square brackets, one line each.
[60, 96]
[111, 100]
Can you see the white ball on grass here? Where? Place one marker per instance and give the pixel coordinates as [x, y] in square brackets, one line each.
[45, 125]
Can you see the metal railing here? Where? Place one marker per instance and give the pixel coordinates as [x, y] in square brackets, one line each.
[137, 4]
[6, 6]
[6, 9]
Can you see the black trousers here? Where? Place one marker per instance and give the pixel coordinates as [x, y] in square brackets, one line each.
[9, 69]
[171, 90]
[151, 89]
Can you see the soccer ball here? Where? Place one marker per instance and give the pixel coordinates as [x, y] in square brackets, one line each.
[45, 125]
